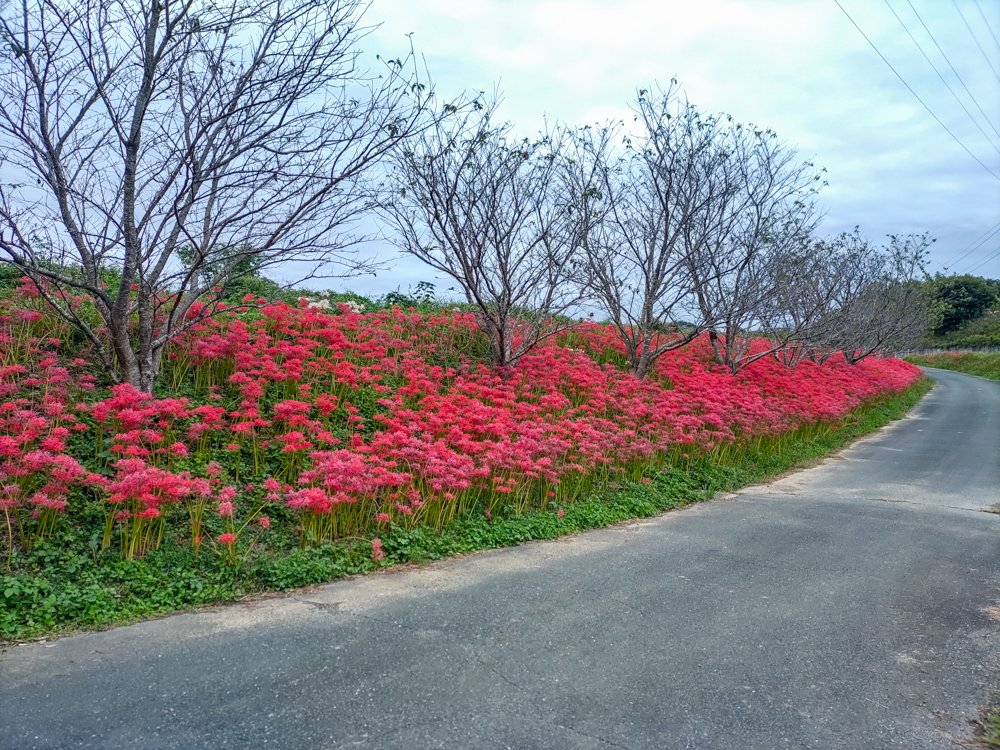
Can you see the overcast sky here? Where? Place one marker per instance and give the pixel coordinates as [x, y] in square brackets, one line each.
[797, 66]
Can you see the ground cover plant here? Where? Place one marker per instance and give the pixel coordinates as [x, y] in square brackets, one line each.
[981, 332]
[287, 445]
[974, 363]
[987, 727]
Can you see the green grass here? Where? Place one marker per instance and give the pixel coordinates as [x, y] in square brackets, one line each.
[987, 726]
[69, 583]
[973, 363]
[983, 331]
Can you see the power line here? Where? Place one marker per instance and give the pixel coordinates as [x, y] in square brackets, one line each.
[975, 39]
[987, 22]
[959, 77]
[984, 262]
[944, 81]
[916, 96]
[979, 242]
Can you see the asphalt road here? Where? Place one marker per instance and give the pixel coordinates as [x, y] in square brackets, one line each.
[845, 606]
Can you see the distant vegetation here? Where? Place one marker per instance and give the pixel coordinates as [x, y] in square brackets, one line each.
[964, 311]
[977, 333]
[973, 363]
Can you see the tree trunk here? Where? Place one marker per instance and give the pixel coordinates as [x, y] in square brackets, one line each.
[149, 371]
[642, 365]
[139, 367]
[717, 350]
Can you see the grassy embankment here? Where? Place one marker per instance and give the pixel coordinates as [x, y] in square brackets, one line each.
[67, 584]
[972, 363]
[980, 332]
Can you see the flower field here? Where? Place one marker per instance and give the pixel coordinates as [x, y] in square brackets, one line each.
[354, 422]
[284, 428]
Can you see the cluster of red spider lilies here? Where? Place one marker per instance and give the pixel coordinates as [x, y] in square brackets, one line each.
[358, 421]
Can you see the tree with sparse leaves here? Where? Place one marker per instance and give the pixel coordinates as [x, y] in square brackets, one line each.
[487, 209]
[245, 133]
[635, 207]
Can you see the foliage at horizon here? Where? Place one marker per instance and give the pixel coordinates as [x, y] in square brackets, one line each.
[983, 331]
[958, 300]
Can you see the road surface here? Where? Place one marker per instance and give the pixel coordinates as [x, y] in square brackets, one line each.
[844, 606]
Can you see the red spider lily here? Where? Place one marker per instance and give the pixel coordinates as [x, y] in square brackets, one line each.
[363, 424]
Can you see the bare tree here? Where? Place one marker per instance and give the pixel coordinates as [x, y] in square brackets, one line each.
[814, 292]
[756, 211]
[883, 307]
[485, 208]
[808, 284]
[130, 129]
[638, 207]
[846, 294]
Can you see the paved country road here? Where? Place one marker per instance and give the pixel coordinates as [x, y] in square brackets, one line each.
[843, 606]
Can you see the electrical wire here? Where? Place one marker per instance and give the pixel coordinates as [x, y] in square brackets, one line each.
[916, 96]
[984, 262]
[945, 82]
[975, 39]
[979, 242]
[959, 77]
[987, 22]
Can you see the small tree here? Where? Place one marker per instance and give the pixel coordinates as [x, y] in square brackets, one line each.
[755, 214]
[243, 132]
[886, 307]
[811, 285]
[636, 209]
[486, 209]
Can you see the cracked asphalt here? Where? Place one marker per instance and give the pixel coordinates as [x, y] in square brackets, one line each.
[843, 606]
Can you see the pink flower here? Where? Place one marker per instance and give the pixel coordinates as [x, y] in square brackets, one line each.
[54, 444]
[560, 513]
[265, 522]
[227, 539]
[383, 518]
[377, 553]
[226, 509]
